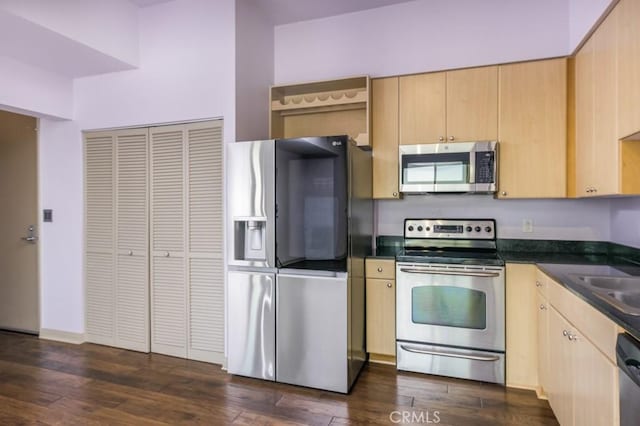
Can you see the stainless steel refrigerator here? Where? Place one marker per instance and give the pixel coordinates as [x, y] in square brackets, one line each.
[299, 225]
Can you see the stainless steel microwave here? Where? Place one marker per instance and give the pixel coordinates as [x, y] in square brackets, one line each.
[469, 167]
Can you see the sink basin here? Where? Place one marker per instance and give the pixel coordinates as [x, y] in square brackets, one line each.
[622, 293]
[612, 283]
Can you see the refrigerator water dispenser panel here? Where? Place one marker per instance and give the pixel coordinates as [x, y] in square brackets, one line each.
[250, 238]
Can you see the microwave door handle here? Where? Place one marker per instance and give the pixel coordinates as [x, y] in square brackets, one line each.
[450, 354]
[447, 272]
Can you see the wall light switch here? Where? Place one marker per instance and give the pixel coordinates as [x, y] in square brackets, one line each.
[527, 225]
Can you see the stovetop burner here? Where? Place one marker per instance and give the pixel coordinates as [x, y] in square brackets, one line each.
[451, 241]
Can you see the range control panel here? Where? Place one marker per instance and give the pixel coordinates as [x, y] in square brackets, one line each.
[459, 229]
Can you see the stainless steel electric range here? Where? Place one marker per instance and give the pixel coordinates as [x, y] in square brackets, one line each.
[450, 312]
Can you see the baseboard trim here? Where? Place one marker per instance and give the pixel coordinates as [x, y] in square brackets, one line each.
[382, 359]
[62, 336]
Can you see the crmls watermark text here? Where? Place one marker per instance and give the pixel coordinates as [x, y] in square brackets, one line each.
[413, 417]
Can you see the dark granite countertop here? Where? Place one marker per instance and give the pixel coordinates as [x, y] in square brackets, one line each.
[560, 260]
[562, 273]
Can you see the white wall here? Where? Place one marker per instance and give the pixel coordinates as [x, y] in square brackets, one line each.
[552, 219]
[625, 221]
[420, 36]
[61, 241]
[32, 91]
[583, 14]
[254, 71]
[187, 72]
[107, 26]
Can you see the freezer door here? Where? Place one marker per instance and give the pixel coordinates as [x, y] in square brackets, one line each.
[312, 331]
[250, 203]
[251, 326]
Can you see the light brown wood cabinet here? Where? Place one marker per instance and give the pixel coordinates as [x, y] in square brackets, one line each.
[532, 129]
[452, 106]
[628, 54]
[543, 342]
[384, 112]
[579, 377]
[381, 310]
[521, 326]
[607, 107]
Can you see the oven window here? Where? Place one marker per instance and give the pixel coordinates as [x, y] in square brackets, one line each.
[449, 306]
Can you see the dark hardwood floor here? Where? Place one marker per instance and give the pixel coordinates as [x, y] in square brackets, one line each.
[43, 382]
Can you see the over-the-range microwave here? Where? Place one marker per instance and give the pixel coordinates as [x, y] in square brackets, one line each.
[468, 167]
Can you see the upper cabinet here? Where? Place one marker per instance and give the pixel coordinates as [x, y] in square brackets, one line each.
[384, 113]
[607, 107]
[533, 129]
[452, 106]
[628, 53]
[323, 108]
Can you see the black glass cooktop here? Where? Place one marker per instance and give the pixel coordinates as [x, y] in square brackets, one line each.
[462, 257]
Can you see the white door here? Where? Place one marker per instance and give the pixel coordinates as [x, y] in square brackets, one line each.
[19, 299]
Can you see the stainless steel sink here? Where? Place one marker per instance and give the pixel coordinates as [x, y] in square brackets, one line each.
[622, 293]
[612, 283]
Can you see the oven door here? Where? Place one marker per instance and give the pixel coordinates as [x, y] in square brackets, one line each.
[451, 305]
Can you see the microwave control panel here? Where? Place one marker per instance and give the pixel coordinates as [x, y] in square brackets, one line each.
[485, 167]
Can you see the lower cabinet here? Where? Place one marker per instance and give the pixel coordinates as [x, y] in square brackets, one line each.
[381, 310]
[579, 379]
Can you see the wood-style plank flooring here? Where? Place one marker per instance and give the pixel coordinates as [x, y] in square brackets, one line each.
[43, 382]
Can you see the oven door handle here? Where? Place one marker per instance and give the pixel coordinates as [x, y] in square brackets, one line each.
[451, 354]
[447, 272]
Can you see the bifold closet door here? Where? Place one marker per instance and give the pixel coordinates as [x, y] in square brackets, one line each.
[187, 272]
[132, 240]
[116, 248]
[99, 159]
[168, 266]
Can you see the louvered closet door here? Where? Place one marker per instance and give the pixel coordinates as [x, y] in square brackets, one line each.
[132, 234]
[205, 241]
[99, 238]
[168, 266]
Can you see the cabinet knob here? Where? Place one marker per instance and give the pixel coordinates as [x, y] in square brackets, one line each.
[451, 138]
[166, 254]
[379, 269]
[503, 193]
[130, 253]
[538, 284]
[389, 285]
[395, 194]
[542, 307]
[441, 138]
[572, 337]
[565, 333]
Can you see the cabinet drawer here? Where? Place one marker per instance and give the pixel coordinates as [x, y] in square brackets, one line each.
[381, 268]
[589, 323]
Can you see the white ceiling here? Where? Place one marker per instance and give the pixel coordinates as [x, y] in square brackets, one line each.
[288, 11]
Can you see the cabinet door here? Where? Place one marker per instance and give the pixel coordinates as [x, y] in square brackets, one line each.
[381, 316]
[521, 327]
[422, 108]
[543, 341]
[533, 129]
[168, 272]
[560, 383]
[385, 137]
[472, 104]
[628, 54]
[585, 152]
[595, 385]
[132, 236]
[606, 171]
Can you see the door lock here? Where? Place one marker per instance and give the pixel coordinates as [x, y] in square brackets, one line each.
[30, 238]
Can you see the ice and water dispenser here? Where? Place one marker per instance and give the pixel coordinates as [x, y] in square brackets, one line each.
[250, 238]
